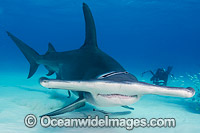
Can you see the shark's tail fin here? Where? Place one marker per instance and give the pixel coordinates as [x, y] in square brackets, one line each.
[31, 55]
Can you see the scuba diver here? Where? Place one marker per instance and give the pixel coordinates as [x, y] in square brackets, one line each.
[161, 76]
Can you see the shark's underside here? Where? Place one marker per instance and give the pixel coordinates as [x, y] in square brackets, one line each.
[95, 76]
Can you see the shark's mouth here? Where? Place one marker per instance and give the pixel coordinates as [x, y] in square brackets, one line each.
[117, 96]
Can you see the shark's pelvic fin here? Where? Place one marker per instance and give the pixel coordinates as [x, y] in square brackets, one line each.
[50, 48]
[80, 102]
[90, 30]
[50, 73]
[31, 55]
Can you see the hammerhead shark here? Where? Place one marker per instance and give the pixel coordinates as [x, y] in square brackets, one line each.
[91, 74]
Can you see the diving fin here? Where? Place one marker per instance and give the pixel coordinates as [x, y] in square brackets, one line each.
[80, 102]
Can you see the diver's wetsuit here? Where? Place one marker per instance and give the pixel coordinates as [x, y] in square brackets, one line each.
[160, 74]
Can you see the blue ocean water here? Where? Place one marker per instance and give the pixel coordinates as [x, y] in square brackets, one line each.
[140, 34]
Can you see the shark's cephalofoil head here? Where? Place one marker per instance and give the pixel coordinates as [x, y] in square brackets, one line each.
[97, 92]
[112, 92]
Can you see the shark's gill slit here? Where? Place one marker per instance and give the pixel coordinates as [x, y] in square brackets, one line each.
[110, 74]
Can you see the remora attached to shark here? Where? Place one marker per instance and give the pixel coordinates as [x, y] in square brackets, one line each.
[95, 77]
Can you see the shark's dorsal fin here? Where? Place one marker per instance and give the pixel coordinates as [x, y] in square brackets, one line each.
[51, 48]
[90, 30]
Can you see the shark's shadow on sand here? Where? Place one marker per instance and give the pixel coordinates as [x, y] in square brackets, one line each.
[61, 96]
[52, 94]
[91, 74]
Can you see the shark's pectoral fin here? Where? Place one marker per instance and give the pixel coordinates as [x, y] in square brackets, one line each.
[127, 107]
[80, 102]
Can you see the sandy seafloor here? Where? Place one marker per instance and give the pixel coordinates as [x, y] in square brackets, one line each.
[20, 97]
